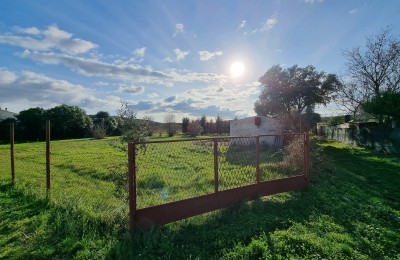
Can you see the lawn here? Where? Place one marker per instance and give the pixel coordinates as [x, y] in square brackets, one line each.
[350, 210]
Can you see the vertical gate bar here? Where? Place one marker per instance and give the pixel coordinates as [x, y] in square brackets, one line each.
[215, 165]
[132, 184]
[12, 153]
[47, 157]
[305, 155]
[258, 159]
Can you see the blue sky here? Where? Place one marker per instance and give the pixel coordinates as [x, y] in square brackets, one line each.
[171, 55]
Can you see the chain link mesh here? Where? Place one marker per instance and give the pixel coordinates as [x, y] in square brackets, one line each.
[173, 171]
[90, 175]
[236, 162]
[281, 156]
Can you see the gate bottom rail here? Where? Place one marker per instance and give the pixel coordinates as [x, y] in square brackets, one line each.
[170, 212]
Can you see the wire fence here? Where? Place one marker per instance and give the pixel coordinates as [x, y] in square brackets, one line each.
[170, 171]
[91, 176]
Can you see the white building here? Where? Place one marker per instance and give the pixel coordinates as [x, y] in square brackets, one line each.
[253, 126]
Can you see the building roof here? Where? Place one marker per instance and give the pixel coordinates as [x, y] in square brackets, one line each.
[6, 114]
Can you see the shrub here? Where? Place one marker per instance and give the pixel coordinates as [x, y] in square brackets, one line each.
[194, 128]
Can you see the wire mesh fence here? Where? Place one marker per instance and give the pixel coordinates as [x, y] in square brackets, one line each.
[86, 175]
[91, 176]
[170, 171]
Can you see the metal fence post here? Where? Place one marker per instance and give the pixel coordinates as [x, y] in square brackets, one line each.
[12, 153]
[258, 159]
[48, 151]
[216, 165]
[132, 184]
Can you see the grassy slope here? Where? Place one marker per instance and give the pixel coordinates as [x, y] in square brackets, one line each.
[351, 210]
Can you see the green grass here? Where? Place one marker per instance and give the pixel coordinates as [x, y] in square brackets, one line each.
[350, 211]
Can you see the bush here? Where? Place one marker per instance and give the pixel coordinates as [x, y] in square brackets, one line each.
[194, 128]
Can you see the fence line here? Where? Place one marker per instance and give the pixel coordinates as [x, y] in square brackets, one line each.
[162, 213]
[167, 180]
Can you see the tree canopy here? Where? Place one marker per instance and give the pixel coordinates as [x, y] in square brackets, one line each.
[288, 91]
[372, 69]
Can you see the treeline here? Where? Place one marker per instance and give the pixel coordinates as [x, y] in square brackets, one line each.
[66, 122]
[205, 126]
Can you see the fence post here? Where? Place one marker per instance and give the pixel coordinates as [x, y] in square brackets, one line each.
[215, 165]
[132, 184]
[48, 151]
[12, 153]
[258, 159]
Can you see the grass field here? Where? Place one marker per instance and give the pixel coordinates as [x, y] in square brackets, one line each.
[350, 210]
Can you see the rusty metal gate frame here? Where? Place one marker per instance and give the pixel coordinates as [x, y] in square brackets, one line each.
[177, 210]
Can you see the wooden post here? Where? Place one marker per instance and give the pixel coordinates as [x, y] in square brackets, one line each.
[306, 156]
[216, 165]
[48, 151]
[132, 184]
[258, 159]
[12, 153]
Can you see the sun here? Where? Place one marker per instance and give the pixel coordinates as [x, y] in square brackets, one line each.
[237, 69]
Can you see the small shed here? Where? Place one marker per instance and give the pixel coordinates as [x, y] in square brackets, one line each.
[253, 126]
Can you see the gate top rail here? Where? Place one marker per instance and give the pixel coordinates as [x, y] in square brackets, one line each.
[214, 138]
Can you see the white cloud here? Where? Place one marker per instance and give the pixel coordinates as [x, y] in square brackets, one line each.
[140, 52]
[168, 59]
[179, 28]
[30, 30]
[353, 11]
[51, 38]
[312, 1]
[269, 24]
[242, 25]
[131, 89]
[206, 55]
[6, 77]
[180, 54]
[93, 67]
[153, 95]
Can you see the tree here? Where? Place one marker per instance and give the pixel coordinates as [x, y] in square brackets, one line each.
[132, 128]
[384, 105]
[32, 124]
[68, 122]
[185, 124]
[203, 121]
[169, 121]
[372, 69]
[194, 128]
[288, 92]
[219, 128]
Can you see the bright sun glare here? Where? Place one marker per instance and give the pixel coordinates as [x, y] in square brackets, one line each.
[237, 69]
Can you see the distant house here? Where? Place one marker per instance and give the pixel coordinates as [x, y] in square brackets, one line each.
[253, 126]
[6, 114]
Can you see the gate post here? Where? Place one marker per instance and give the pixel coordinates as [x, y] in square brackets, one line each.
[12, 153]
[307, 157]
[132, 184]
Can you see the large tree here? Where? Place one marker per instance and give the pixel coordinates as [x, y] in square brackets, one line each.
[288, 92]
[68, 122]
[371, 69]
[32, 124]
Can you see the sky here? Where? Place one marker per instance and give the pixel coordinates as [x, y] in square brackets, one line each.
[172, 56]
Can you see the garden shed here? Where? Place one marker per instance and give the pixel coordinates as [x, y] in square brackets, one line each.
[256, 125]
